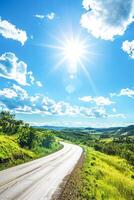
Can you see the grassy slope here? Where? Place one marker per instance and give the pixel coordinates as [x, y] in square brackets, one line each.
[102, 177]
[11, 154]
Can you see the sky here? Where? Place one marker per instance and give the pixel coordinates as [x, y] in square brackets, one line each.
[68, 63]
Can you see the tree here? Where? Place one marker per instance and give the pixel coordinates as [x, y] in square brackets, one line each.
[47, 140]
[27, 137]
[7, 121]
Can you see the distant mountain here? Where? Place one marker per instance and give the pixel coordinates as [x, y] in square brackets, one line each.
[51, 127]
[129, 130]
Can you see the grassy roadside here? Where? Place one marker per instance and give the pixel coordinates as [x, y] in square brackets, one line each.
[101, 177]
[11, 154]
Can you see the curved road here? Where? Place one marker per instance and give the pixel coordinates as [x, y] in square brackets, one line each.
[39, 179]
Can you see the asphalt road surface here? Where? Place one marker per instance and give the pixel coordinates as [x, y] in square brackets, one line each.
[39, 179]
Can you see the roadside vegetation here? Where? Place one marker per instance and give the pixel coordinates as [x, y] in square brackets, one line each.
[101, 177]
[107, 172]
[20, 143]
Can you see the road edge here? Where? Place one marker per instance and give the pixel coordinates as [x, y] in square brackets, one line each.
[58, 193]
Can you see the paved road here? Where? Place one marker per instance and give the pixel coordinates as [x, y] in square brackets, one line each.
[38, 179]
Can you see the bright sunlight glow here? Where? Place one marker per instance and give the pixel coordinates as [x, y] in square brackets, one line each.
[73, 51]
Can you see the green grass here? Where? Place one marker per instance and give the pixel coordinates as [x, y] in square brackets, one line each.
[12, 154]
[107, 140]
[102, 177]
[42, 151]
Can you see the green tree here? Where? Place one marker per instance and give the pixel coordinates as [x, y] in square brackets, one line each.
[27, 137]
[48, 139]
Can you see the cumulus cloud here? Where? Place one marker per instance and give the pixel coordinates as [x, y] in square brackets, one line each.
[14, 92]
[124, 92]
[86, 99]
[33, 81]
[24, 109]
[128, 47]
[94, 112]
[8, 93]
[127, 92]
[10, 31]
[99, 101]
[63, 108]
[107, 19]
[18, 100]
[12, 68]
[21, 93]
[103, 101]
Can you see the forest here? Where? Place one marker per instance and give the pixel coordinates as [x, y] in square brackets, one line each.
[19, 142]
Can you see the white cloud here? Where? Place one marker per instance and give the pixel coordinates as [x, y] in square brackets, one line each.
[107, 19]
[35, 98]
[8, 93]
[12, 68]
[50, 16]
[24, 109]
[63, 108]
[103, 101]
[86, 99]
[93, 112]
[10, 31]
[21, 102]
[99, 101]
[119, 115]
[39, 84]
[40, 16]
[127, 92]
[14, 92]
[113, 94]
[32, 79]
[128, 47]
[3, 106]
[124, 92]
[21, 93]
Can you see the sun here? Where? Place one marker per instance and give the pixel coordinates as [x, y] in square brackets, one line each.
[73, 51]
[73, 54]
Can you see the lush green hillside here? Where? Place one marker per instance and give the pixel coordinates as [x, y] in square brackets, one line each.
[122, 146]
[112, 144]
[11, 153]
[108, 172]
[102, 177]
[20, 143]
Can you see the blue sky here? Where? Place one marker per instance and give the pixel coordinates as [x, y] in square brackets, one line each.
[93, 86]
